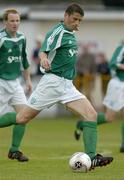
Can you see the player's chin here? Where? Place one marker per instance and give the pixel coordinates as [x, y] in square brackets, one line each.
[76, 29]
[14, 30]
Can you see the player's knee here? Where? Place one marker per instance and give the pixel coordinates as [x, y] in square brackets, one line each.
[92, 116]
[109, 118]
[21, 119]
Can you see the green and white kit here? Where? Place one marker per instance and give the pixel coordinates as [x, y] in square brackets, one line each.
[13, 57]
[61, 46]
[56, 85]
[114, 98]
[13, 60]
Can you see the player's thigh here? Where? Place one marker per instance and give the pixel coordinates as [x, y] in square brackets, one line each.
[84, 108]
[18, 98]
[110, 114]
[48, 92]
[4, 99]
[19, 107]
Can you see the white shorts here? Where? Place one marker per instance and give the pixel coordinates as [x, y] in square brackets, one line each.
[114, 98]
[11, 93]
[53, 89]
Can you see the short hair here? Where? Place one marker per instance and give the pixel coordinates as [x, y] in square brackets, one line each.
[72, 8]
[9, 11]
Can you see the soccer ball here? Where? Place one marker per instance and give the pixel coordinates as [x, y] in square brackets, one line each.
[80, 162]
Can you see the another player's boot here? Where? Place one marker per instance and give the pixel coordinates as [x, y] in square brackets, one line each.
[18, 156]
[77, 134]
[122, 149]
[79, 129]
[99, 161]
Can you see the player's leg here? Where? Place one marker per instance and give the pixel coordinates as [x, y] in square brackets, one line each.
[110, 115]
[46, 94]
[8, 119]
[18, 101]
[122, 136]
[12, 118]
[85, 109]
[101, 119]
[110, 101]
[25, 114]
[17, 136]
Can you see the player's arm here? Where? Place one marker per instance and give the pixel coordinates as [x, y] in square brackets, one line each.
[51, 43]
[25, 69]
[27, 77]
[116, 60]
[120, 66]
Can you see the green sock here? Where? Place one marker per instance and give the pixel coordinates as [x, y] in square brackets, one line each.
[80, 125]
[90, 137]
[7, 119]
[122, 135]
[18, 132]
[101, 119]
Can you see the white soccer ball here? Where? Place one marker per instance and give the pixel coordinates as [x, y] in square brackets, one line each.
[80, 162]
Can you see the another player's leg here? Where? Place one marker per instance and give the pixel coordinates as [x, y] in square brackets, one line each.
[110, 115]
[14, 153]
[18, 133]
[101, 119]
[122, 135]
[9, 119]
[79, 129]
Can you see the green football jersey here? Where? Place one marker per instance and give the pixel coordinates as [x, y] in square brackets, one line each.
[13, 57]
[61, 46]
[117, 58]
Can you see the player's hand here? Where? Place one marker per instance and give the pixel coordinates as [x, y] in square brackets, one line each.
[28, 86]
[45, 64]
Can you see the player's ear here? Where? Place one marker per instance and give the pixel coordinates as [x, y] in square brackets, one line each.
[65, 15]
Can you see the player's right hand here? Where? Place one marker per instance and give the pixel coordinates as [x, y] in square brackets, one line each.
[45, 64]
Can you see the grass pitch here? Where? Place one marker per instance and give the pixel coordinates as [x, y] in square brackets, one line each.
[49, 143]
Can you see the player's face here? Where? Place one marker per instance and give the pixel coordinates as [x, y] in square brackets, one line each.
[73, 21]
[12, 23]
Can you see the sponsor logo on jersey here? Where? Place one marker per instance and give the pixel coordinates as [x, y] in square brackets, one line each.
[72, 52]
[70, 42]
[14, 59]
[10, 50]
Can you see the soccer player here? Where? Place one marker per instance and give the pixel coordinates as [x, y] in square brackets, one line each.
[114, 99]
[58, 57]
[13, 61]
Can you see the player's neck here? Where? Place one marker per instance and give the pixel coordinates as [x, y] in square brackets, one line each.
[11, 34]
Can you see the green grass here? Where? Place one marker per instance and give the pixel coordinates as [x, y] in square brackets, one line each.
[49, 143]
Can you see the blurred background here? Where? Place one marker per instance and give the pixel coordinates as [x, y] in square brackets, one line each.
[100, 33]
